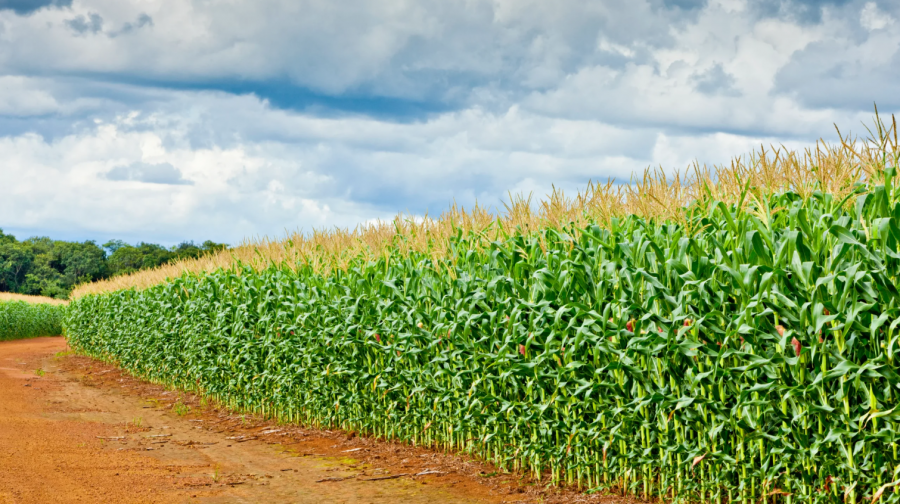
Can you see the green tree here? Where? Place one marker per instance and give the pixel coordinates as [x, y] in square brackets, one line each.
[126, 258]
[187, 250]
[113, 245]
[211, 246]
[80, 262]
[44, 277]
[46, 267]
[15, 260]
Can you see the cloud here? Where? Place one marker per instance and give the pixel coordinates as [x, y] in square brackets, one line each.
[685, 4]
[872, 18]
[235, 192]
[142, 20]
[155, 173]
[400, 59]
[432, 51]
[716, 81]
[255, 170]
[856, 65]
[25, 7]
[803, 11]
[19, 97]
[82, 25]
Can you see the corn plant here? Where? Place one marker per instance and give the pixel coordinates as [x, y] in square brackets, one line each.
[21, 319]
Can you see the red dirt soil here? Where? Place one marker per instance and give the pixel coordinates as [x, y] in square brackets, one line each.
[76, 430]
[46, 459]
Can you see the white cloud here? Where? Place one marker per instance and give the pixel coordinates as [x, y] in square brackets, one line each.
[871, 18]
[19, 98]
[605, 45]
[143, 172]
[719, 73]
[847, 67]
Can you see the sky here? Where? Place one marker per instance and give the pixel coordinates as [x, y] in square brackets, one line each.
[166, 121]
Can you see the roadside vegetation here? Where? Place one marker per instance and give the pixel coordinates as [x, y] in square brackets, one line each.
[30, 316]
[725, 335]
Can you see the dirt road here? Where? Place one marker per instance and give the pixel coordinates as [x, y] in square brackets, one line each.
[78, 431]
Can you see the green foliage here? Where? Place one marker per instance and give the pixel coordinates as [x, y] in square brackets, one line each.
[52, 268]
[751, 356]
[40, 266]
[19, 320]
[125, 259]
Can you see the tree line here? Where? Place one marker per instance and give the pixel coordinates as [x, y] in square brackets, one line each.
[45, 267]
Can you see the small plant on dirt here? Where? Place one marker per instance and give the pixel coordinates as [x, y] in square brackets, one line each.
[39, 372]
[180, 408]
[216, 475]
[64, 353]
[137, 421]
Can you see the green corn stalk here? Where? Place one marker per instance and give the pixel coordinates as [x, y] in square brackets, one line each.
[20, 319]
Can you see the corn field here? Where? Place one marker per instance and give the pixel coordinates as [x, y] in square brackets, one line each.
[28, 319]
[727, 342]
